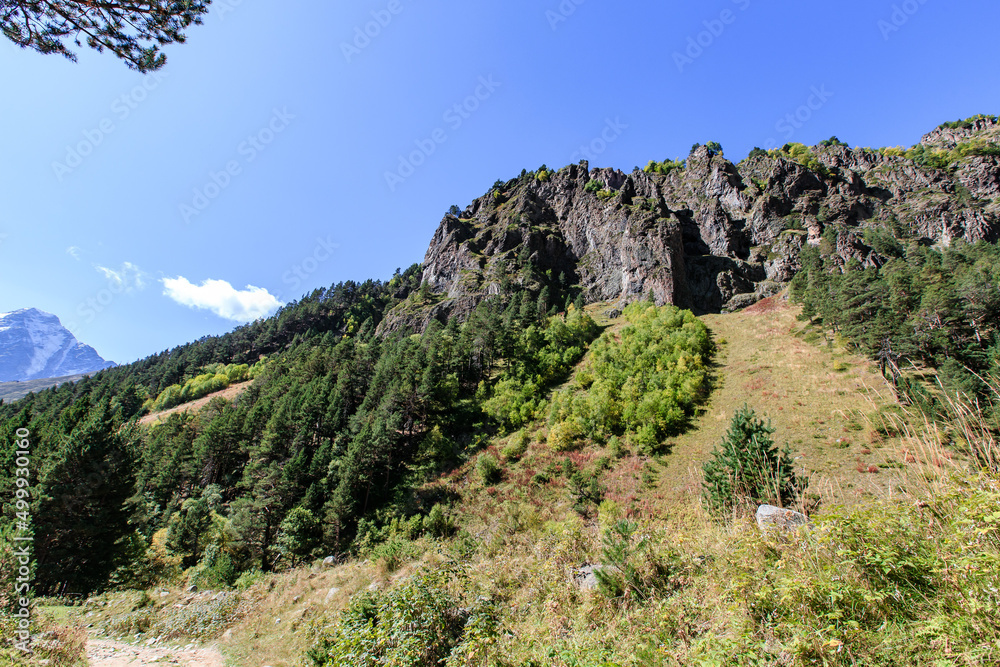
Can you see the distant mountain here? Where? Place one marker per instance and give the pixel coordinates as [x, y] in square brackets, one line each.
[35, 345]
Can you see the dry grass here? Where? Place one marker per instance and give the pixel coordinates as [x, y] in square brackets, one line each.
[522, 540]
[229, 393]
[818, 396]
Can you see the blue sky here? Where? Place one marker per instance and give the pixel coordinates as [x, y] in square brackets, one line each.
[283, 149]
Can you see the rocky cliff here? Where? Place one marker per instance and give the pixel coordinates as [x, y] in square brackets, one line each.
[709, 234]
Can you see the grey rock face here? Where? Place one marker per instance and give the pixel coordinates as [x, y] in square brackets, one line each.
[769, 516]
[34, 345]
[712, 236]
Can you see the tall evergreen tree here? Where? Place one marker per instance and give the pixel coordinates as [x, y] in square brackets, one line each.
[81, 514]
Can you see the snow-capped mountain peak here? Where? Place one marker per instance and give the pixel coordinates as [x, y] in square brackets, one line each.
[35, 345]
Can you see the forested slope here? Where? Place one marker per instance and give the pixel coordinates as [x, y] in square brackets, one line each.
[364, 391]
[335, 427]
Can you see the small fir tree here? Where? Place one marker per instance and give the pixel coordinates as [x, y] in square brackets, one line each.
[747, 467]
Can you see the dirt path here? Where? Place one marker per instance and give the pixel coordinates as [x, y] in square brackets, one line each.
[229, 393]
[106, 653]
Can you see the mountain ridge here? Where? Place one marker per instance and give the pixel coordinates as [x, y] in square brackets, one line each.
[34, 345]
[707, 233]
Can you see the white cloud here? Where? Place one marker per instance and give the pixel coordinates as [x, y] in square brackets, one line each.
[73, 252]
[222, 298]
[129, 277]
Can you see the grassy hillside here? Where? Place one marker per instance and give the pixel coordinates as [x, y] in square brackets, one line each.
[904, 545]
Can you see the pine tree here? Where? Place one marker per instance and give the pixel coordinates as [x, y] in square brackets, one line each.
[133, 31]
[81, 512]
[747, 467]
[544, 298]
[300, 534]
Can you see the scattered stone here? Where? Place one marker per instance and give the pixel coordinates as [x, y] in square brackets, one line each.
[375, 586]
[296, 599]
[192, 589]
[586, 577]
[769, 516]
[331, 594]
[330, 561]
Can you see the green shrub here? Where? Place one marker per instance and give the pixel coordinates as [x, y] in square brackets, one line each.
[585, 490]
[646, 382]
[803, 155]
[437, 523]
[747, 468]
[544, 356]
[488, 468]
[832, 141]
[414, 625]
[248, 579]
[593, 185]
[565, 436]
[664, 168]
[513, 402]
[517, 446]
[215, 571]
[393, 553]
[541, 478]
[714, 147]
[630, 567]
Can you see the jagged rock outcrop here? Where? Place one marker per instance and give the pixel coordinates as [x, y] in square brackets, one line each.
[710, 236]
